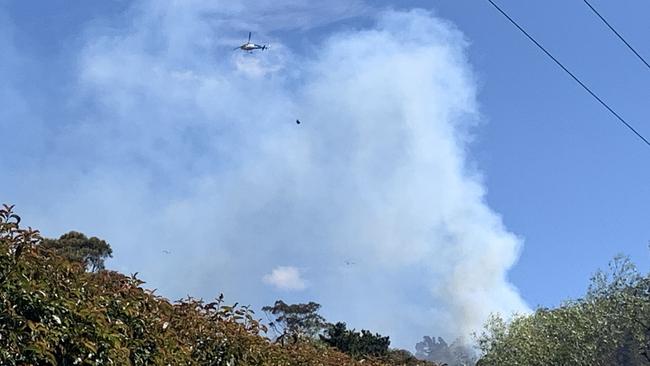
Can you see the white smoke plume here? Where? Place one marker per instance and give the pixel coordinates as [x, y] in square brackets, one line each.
[181, 144]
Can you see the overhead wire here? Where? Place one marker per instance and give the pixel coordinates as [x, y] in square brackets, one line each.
[572, 75]
[617, 34]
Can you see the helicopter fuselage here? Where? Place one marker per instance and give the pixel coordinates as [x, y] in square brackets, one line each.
[251, 47]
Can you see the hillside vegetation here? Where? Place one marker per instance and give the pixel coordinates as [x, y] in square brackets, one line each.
[58, 306]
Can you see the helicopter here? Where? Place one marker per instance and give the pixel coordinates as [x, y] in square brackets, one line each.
[250, 47]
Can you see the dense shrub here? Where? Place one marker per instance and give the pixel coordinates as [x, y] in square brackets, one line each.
[54, 312]
[609, 326]
[356, 344]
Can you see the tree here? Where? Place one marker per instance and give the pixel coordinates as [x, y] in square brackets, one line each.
[356, 344]
[295, 320]
[76, 247]
[432, 350]
[609, 326]
[456, 354]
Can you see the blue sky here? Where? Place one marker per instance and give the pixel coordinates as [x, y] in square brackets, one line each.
[559, 168]
[101, 143]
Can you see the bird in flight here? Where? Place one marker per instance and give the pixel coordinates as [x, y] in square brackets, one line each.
[297, 121]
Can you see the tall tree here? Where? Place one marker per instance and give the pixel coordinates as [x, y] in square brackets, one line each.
[77, 247]
[458, 353]
[295, 320]
[432, 350]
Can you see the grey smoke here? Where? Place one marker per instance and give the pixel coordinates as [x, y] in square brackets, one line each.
[192, 148]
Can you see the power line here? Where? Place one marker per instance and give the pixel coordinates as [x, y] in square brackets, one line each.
[617, 34]
[575, 78]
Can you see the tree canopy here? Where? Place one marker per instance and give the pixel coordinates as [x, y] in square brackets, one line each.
[76, 247]
[458, 353]
[356, 344]
[295, 320]
[609, 326]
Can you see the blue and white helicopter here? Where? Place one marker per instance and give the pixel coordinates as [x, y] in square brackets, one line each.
[250, 47]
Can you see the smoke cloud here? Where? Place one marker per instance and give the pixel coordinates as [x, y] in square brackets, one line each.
[180, 144]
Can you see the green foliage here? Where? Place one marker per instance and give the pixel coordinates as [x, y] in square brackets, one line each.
[54, 312]
[356, 344]
[295, 321]
[76, 247]
[610, 326]
[299, 324]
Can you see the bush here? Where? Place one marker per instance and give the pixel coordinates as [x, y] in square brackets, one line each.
[609, 326]
[54, 312]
